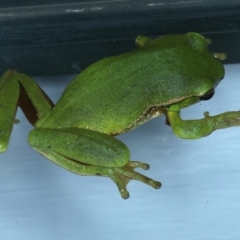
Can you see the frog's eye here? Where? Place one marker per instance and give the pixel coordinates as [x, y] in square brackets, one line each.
[208, 95]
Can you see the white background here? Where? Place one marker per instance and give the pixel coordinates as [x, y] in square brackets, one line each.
[199, 199]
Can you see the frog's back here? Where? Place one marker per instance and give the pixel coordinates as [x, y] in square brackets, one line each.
[116, 91]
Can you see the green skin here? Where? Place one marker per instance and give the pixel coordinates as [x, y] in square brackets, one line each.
[115, 95]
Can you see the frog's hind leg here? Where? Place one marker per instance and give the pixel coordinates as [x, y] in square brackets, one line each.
[87, 152]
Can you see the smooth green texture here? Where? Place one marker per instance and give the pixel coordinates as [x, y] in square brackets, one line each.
[113, 96]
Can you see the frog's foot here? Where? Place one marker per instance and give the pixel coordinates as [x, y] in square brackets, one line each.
[122, 176]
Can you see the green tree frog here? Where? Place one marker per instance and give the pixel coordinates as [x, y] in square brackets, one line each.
[113, 96]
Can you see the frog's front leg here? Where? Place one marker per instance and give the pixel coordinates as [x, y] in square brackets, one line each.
[87, 152]
[9, 94]
[194, 129]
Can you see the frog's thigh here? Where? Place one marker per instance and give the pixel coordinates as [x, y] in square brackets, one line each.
[79, 145]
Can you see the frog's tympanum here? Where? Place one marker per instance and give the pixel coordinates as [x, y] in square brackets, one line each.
[113, 96]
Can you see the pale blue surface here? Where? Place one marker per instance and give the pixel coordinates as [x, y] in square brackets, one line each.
[199, 199]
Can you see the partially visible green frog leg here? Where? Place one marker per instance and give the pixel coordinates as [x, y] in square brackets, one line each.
[19, 90]
[9, 93]
[87, 152]
[194, 129]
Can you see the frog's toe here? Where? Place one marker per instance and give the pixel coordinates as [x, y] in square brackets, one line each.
[155, 184]
[123, 191]
[134, 164]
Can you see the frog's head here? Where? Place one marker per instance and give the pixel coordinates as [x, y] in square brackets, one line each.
[198, 70]
[210, 63]
[186, 68]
